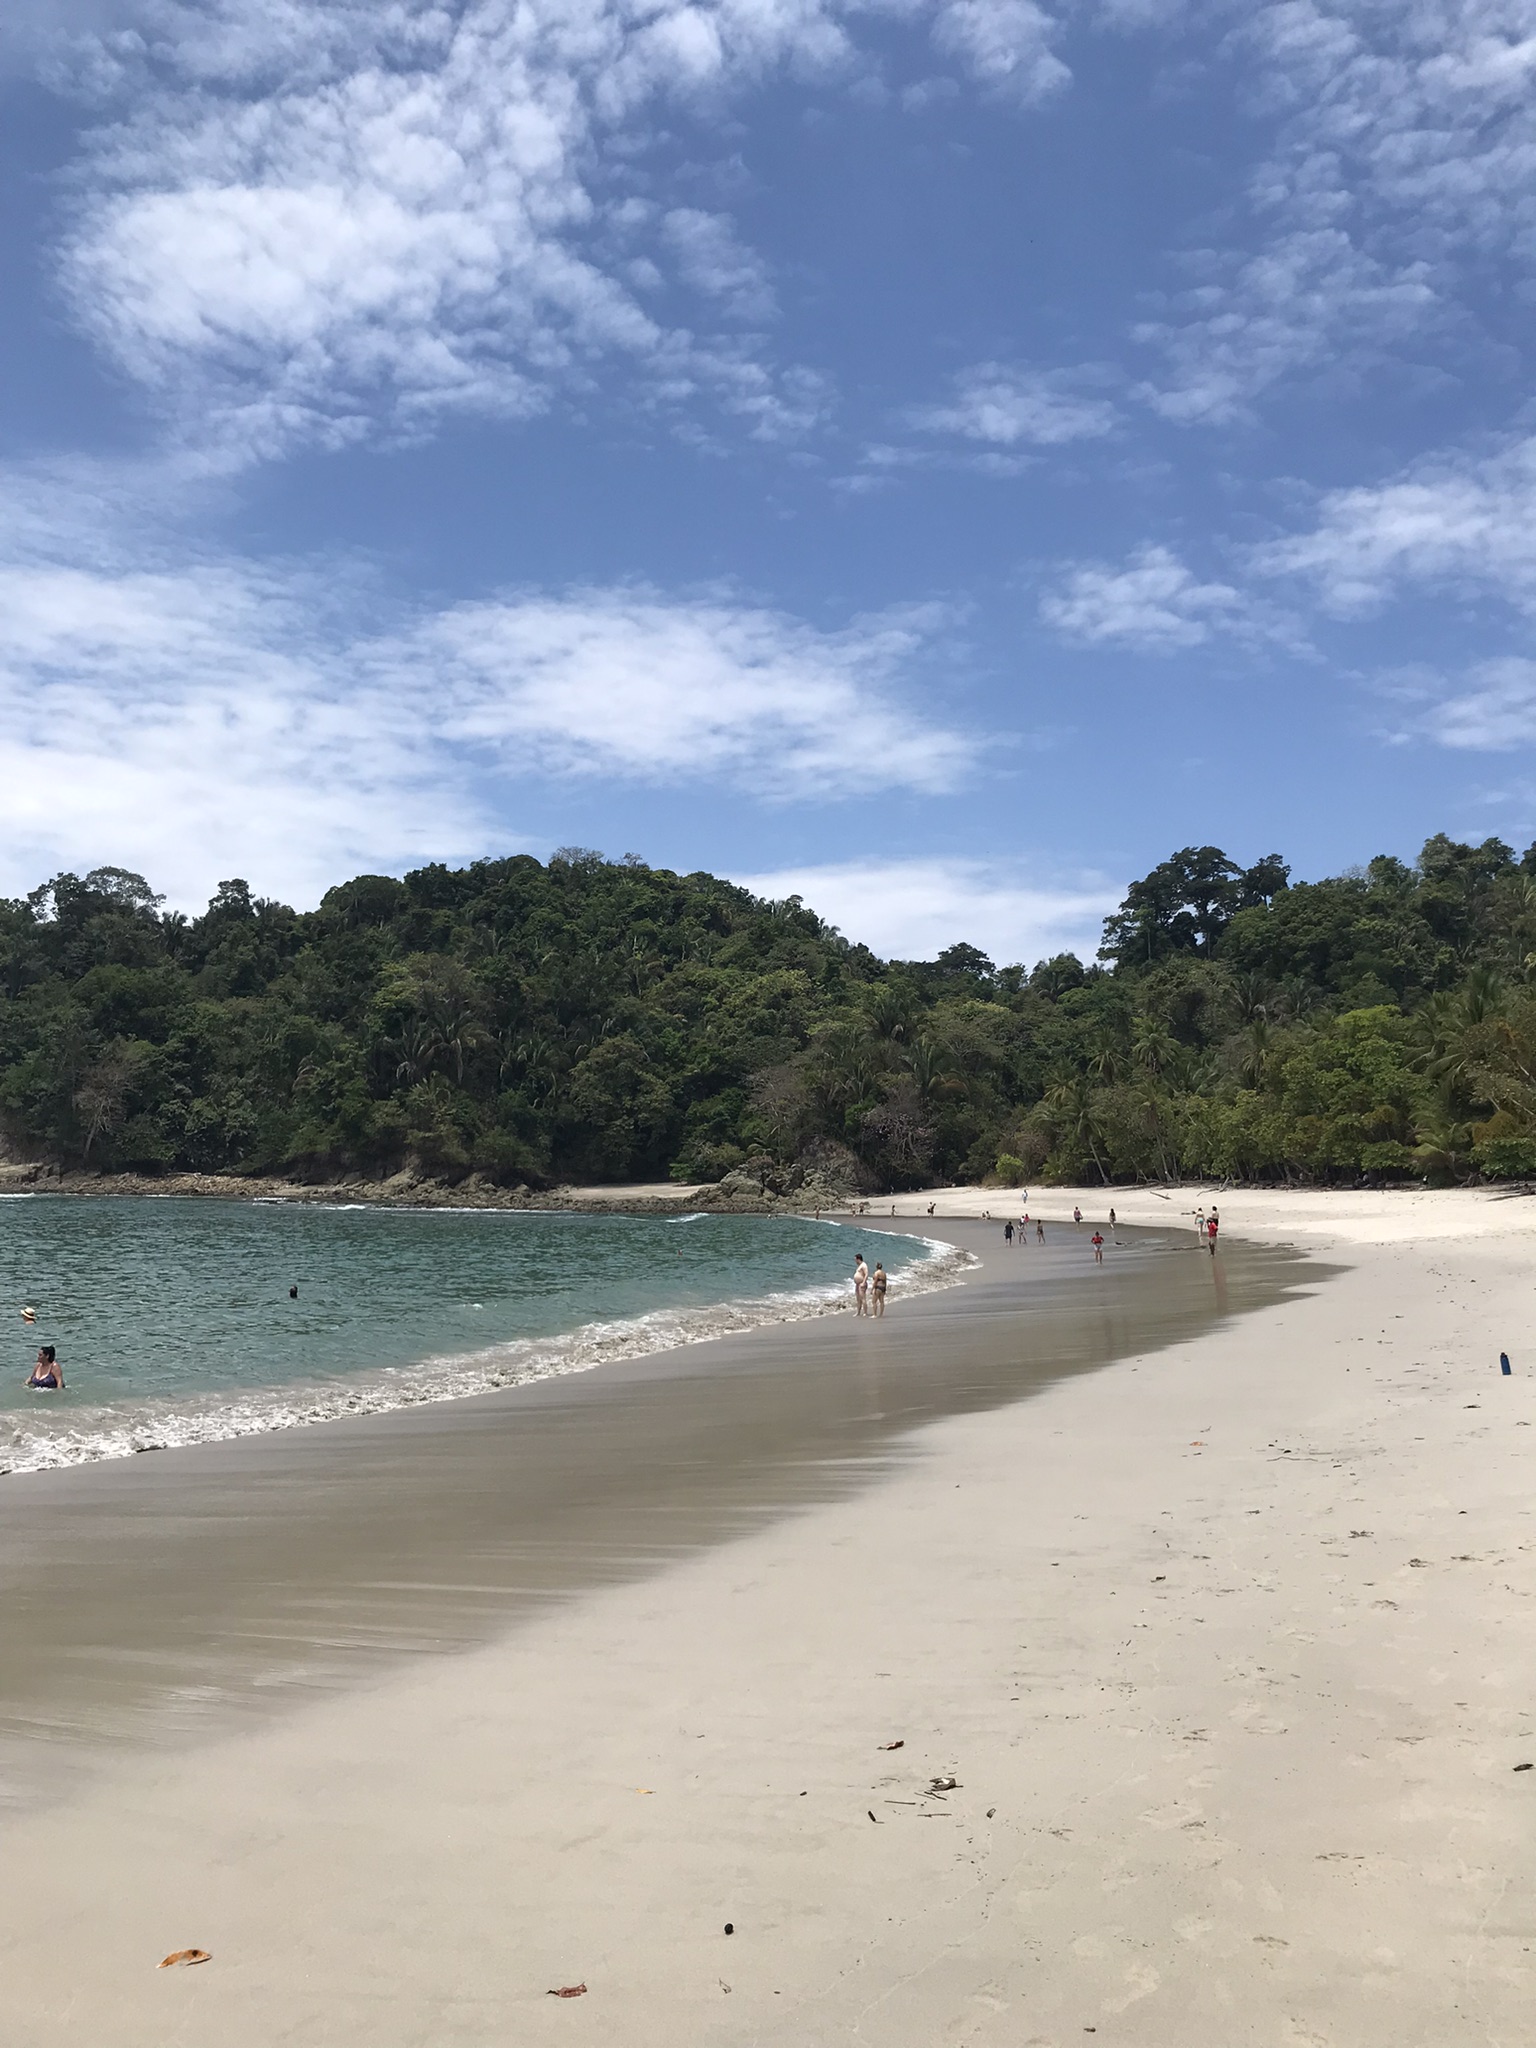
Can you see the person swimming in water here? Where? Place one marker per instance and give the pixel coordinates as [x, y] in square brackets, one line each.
[47, 1376]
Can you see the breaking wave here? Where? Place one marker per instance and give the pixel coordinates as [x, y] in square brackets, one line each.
[46, 1439]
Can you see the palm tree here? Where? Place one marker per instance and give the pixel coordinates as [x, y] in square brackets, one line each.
[1069, 1109]
[1257, 1051]
[1153, 1046]
[930, 1065]
[412, 1051]
[453, 1032]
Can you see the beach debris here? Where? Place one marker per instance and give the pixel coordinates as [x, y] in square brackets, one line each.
[1417, 1564]
[730, 1926]
[943, 1784]
[900, 1743]
[568, 1991]
[725, 1987]
[1525, 1767]
[1161, 1579]
[991, 1810]
[870, 1811]
[179, 1956]
[1504, 1363]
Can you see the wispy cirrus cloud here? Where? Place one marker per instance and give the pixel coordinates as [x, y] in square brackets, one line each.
[330, 221]
[197, 716]
[1454, 521]
[1403, 140]
[1154, 603]
[1011, 406]
[1489, 709]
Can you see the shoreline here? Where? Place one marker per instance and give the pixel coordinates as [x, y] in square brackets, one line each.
[62, 1439]
[1225, 1645]
[169, 1573]
[1142, 1203]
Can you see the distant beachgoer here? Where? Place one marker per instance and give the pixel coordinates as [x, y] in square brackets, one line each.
[931, 1207]
[1200, 1223]
[47, 1374]
[893, 1208]
[29, 1315]
[877, 1286]
[1210, 1232]
[1098, 1249]
[1111, 1219]
[1008, 1234]
[1039, 1233]
[860, 1286]
[293, 1294]
[1077, 1215]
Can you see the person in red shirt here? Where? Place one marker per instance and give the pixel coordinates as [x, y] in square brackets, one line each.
[1098, 1248]
[1210, 1232]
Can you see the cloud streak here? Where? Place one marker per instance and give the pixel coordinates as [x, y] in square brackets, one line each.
[1155, 604]
[1455, 521]
[218, 717]
[333, 221]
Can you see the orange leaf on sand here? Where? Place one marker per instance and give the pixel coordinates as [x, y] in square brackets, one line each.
[569, 1991]
[184, 1955]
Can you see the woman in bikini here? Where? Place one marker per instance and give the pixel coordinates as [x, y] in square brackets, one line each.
[46, 1374]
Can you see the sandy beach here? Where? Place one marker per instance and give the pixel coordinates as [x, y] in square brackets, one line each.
[1226, 1645]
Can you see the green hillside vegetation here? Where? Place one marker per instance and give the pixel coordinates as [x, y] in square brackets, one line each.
[592, 1020]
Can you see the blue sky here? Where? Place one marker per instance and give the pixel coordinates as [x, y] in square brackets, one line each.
[935, 456]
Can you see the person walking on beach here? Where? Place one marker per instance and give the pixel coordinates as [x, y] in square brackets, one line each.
[1200, 1223]
[1077, 1215]
[877, 1284]
[47, 1375]
[1098, 1249]
[1111, 1222]
[1039, 1231]
[860, 1286]
[1212, 1226]
[1008, 1235]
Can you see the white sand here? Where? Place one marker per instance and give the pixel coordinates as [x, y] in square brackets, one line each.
[1230, 1650]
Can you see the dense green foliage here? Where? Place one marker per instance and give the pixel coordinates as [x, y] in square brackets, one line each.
[604, 1020]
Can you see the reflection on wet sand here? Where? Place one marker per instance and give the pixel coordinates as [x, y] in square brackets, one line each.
[164, 1594]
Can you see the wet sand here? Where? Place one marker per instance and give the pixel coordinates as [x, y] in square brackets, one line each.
[189, 1588]
[1226, 1647]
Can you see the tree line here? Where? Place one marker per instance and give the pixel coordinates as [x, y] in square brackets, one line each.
[591, 1020]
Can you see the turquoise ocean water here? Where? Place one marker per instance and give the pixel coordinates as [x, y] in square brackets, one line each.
[174, 1324]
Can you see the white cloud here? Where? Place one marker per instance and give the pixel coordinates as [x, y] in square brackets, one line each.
[628, 684]
[1452, 521]
[1493, 712]
[711, 258]
[1299, 304]
[1404, 141]
[1005, 43]
[911, 909]
[1007, 406]
[332, 219]
[215, 718]
[1155, 604]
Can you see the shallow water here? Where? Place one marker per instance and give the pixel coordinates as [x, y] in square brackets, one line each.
[166, 1597]
[174, 1323]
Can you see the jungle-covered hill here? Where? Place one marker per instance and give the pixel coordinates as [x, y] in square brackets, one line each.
[597, 1020]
